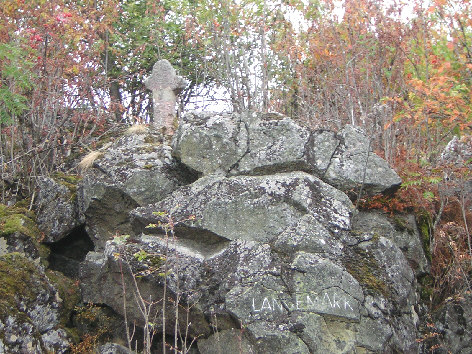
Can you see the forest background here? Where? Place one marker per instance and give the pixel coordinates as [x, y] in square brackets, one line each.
[71, 71]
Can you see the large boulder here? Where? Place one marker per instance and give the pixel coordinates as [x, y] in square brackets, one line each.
[210, 143]
[255, 144]
[268, 263]
[136, 169]
[254, 208]
[134, 271]
[56, 206]
[353, 164]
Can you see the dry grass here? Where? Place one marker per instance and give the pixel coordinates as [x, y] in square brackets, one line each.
[88, 160]
[137, 129]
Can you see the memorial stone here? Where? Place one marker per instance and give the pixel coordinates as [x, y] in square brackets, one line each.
[165, 85]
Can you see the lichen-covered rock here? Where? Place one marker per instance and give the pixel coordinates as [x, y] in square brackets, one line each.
[274, 145]
[236, 144]
[142, 260]
[210, 143]
[452, 327]
[402, 230]
[56, 206]
[18, 232]
[137, 169]
[253, 208]
[353, 163]
[264, 253]
[29, 308]
[273, 252]
[251, 144]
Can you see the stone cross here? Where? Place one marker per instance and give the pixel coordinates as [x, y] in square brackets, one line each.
[165, 85]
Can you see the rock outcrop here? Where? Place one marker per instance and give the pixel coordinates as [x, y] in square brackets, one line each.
[264, 252]
[136, 169]
[255, 144]
[30, 306]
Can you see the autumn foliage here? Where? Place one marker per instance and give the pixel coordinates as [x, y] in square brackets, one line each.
[71, 70]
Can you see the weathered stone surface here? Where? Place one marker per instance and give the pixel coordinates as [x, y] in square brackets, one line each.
[165, 85]
[255, 208]
[263, 250]
[56, 207]
[353, 164]
[274, 252]
[274, 145]
[309, 235]
[402, 230]
[29, 309]
[210, 143]
[101, 281]
[249, 144]
[135, 170]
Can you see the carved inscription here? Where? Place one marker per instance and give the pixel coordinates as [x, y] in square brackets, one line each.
[303, 302]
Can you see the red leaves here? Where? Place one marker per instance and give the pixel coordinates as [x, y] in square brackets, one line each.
[63, 17]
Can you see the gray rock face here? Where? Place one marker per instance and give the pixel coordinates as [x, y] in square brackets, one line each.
[402, 230]
[251, 208]
[56, 207]
[453, 323]
[101, 277]
[29, 309]
[353, 164]
[135, 170]
[210, 143]
[273, 146]
[273, 252]
[259, 144]
[262, 254]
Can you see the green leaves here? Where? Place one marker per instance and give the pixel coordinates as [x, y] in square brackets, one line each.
[141, 255]
[429, 196]
[15, 76]
[120, 239]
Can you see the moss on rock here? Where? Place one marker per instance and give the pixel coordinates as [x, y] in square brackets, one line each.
[21, 283]
[424, 225]
[17, 219]
[69, 292]
[70, 181]
[365, 269]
